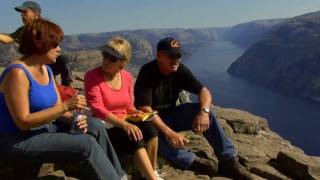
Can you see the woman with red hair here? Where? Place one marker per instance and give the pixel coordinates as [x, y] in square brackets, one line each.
[34, 123]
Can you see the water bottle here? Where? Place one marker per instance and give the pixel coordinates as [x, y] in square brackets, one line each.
[77, 115]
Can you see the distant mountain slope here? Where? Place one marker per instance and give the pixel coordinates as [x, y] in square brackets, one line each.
[287, 59]
[143, 43]
[246, 34]
[188, 37]
[7, 53]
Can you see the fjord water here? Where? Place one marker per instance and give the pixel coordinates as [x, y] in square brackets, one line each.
[294, 118]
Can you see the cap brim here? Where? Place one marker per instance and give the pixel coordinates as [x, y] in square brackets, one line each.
[112, 52]
[21, 8]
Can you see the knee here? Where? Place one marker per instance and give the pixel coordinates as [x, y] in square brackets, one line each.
[95, 122]
[153, 140]
[85, 145]
[95, 125]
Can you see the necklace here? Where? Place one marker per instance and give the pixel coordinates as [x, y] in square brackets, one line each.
[113, 82]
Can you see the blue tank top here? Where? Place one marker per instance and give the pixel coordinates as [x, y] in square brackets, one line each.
[40, 97]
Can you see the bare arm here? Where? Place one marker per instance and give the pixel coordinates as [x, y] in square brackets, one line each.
[176, 140]
[205, 98]
[6, 39]
[116, 121]
[157, 121]
[18, 102]
[67, 116]
[201, 121]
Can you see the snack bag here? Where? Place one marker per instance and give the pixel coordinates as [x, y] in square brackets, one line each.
[141, 117]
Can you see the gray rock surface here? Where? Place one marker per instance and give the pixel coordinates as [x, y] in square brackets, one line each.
[263, 152]
[297, 166]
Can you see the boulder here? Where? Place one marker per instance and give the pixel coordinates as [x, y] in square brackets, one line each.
[267, 171]
[297, 165]
[242, 122]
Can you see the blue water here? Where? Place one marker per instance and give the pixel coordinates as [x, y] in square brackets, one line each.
[294, 118]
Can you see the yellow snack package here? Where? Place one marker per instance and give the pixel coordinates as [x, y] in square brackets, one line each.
[141, 117]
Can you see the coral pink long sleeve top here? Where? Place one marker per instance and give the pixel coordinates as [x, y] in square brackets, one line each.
[103, 99]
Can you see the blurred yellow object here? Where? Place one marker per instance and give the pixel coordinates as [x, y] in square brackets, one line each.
[141, 117]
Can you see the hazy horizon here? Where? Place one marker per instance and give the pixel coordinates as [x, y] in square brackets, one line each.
[85, 16]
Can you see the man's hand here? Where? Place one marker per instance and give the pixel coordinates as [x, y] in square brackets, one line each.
[201, 122]
[177, 140]
[6, 39]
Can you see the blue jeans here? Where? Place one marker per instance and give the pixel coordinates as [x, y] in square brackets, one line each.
[181, 120]
[53, 143]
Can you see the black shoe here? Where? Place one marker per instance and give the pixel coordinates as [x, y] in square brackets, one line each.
[204, 166]
[233, 169]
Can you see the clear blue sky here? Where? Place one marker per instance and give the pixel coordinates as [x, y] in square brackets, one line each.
[83, 16]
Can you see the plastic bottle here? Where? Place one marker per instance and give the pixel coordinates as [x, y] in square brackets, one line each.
[77, 115]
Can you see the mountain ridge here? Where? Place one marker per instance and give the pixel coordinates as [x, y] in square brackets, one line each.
[287, 59]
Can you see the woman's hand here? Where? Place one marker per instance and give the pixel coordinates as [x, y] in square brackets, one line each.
[133, 132]
[76, 102]
[82, 124]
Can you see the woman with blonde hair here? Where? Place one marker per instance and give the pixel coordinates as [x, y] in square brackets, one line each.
[109, 92]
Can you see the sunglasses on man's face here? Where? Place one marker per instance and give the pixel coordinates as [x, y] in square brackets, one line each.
[173, 56]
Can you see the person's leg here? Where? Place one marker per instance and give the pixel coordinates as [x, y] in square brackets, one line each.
[182, 119]
[59, 147]
[152, 150]
[142, 160]
[150, 137]
[136, 148]
[98, 131]
[224, 148]
[63, 67]
[180, 157]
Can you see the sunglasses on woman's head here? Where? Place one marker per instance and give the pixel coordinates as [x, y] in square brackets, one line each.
[111, 58]
[55, 45]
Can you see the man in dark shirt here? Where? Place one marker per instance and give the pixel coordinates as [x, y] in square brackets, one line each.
[62, 66]
[157, 88]
[31, 11]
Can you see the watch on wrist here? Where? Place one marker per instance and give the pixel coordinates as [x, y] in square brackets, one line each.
[206, 110]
